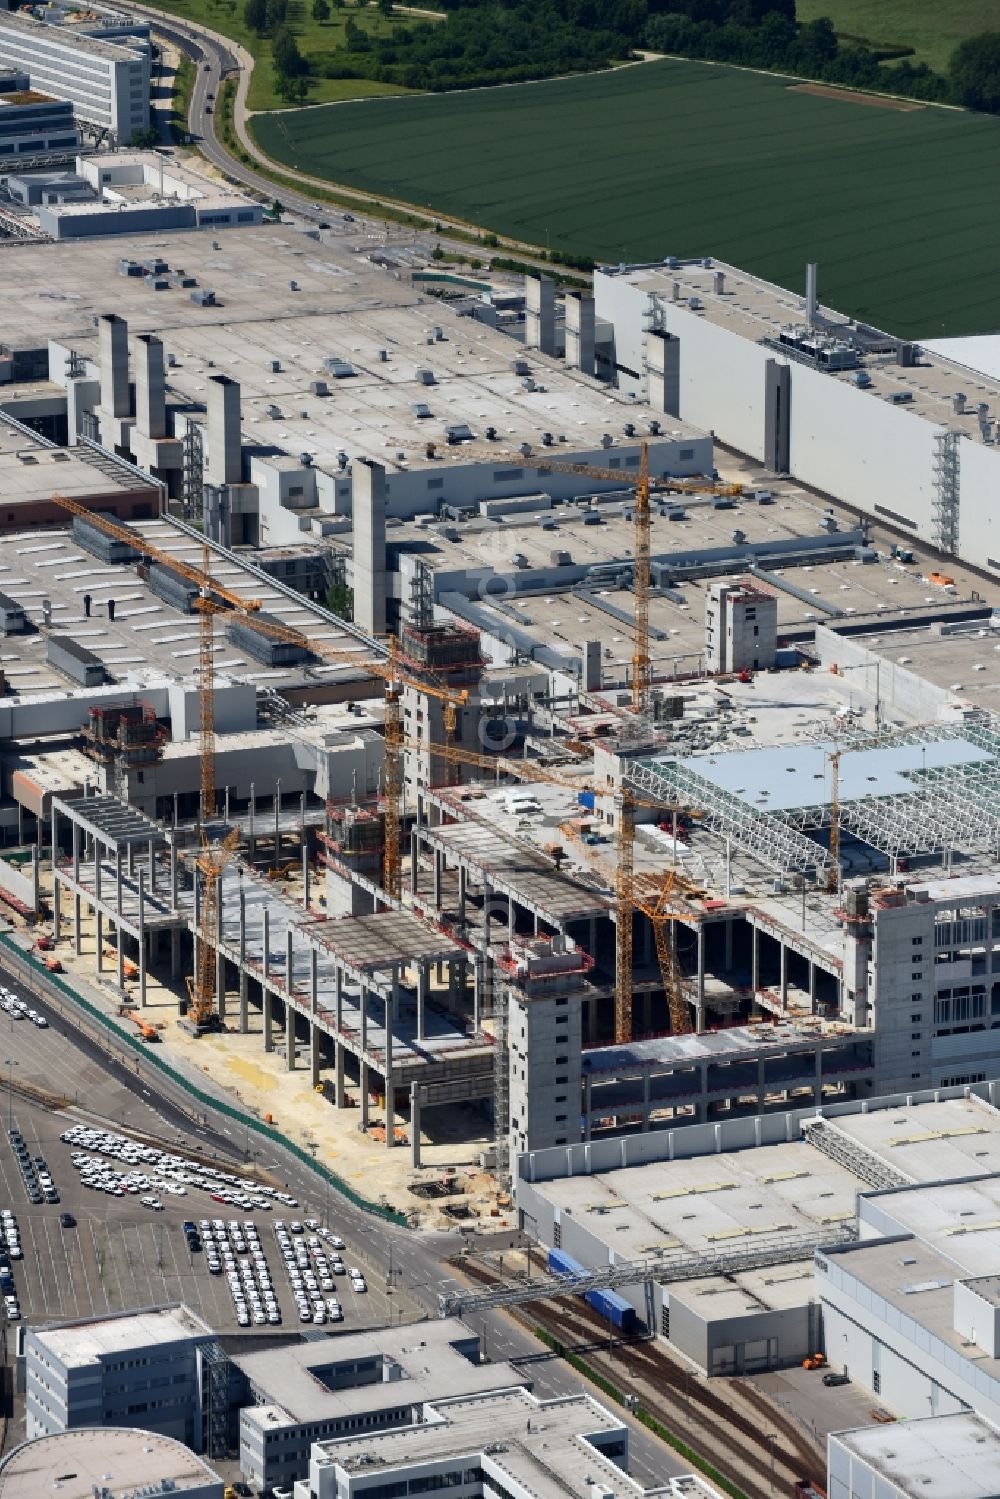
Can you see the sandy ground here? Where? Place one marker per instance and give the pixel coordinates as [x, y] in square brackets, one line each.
[851, 96]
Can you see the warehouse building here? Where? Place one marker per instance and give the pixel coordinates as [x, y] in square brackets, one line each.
[759, 1240]
[942, 1457]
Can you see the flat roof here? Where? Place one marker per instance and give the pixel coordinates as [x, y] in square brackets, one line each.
[90, 1341]
[935, 1457]
[429, 1363]
[707, 1203]
[114, 1460]
[371, 943]
[345, 307]
[77, 40]
[147, 637]
[757, 309]
[930, 1141]
[795, 777]
[512, 1430]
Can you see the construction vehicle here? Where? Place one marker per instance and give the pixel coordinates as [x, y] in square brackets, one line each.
[148, 1032]
[643, 486]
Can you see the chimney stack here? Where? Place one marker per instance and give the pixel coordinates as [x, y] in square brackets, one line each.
[150, 386]
[225, 456]
[113, 340]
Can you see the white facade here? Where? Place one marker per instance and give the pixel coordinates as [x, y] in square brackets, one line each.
[106, 82]
[874, 445]
[741, 627]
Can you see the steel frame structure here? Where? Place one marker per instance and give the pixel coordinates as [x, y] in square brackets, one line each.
[765, 836]
[663, 1268]
[854, 1157]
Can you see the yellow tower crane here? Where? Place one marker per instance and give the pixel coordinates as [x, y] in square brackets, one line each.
[626, 800]
[644, 486]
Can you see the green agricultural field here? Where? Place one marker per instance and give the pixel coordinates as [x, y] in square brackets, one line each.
[898, 207]
[933, 27]
[315, 40]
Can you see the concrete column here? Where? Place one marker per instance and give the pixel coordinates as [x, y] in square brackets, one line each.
[540, 314]
[462, 884]
[414, 1126]
[119, 934]
[812, 984]
[305, 869]
[754, 959]
[478, 986]
[142, 938]
[363, 1100]
[151, 853]
[700, 1020]
[421, 997]
[314, 1055]
[818, 1079]
[784, 976]
[77, 941]
[225, 458]
[338, 1078]
[99, 939]
[580, 332]
[587, 1107]
[289, 1036]
[368, 497]
[277, 823]
[313, 979]
[511, 918]
[338, 999]
[267, 1003]
[266, 956]
[113, 355]
[364, 1018]
[438, 877]
[244, 1015]
[220, 962]
[414, 860]
[56, 911]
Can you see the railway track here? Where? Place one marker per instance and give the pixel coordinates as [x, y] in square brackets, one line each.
[704, 1414]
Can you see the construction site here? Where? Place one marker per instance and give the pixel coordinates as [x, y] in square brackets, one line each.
[552, 839]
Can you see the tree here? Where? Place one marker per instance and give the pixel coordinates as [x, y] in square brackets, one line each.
[974, 72]
[255, 16]
[277, 15]
[145, 138]
[285, 55]
[385, 7]
[321, 10]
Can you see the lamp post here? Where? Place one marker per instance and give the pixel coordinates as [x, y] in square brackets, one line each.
[10, 1065]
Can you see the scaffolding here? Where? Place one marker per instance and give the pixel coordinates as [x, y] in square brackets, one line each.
[215, 1397]
[945, 509]
[192, 471]
[854, 1157]
[123, 737]
[663, 1268]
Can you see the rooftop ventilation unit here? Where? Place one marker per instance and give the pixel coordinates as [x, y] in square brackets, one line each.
[420, 409]
[425, 377]
[458, 432]
[319, 388]
[338, 368]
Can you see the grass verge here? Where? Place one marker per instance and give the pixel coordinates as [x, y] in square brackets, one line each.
[643, 1416]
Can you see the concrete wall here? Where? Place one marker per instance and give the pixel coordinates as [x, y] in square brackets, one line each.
[901, 692]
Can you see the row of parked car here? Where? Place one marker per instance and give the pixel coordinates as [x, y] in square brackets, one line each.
[175, 1174]
[10, 1249]
[19, 1009]
[311, 1270]
[235, 1250]
[38, 1183]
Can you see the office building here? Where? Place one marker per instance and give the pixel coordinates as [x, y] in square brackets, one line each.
[106, 82]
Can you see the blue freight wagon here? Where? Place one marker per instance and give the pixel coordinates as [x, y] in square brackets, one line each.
[608, 1304]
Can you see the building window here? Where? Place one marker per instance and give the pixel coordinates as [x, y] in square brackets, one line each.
[918, 941]
[562, 1078]
[917, 977]
[557, 1236]
[665, 1320]
[914, 1035]
[916, 1019]
[876, 1382]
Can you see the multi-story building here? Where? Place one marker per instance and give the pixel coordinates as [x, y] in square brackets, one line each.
[107, 82]
[115, 1462]
[741, 627]
[33, 124]
[507, 1444]
[136, 1369]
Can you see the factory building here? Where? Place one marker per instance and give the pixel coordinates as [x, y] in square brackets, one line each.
[102, 71]
[901, 434]
[943, 1457]
[32, 123]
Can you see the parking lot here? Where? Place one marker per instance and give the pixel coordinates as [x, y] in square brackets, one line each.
[120, 1254]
